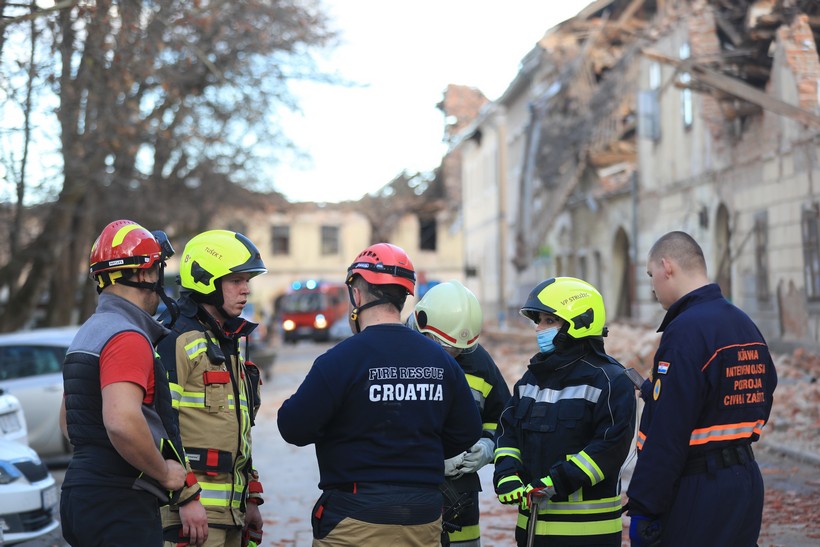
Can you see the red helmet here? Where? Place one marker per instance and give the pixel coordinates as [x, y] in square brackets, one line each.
[384, 264]
[124, 244]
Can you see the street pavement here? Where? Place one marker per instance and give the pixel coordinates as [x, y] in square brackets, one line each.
[290, 477]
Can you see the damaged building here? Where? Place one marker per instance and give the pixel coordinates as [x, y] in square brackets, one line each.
[637, 117]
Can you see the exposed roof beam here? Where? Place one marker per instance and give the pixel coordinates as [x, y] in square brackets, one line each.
[736, 88]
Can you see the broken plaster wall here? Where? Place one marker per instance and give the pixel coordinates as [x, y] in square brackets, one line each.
[762, 169]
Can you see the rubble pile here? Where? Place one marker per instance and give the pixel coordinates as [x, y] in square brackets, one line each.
[794, 425]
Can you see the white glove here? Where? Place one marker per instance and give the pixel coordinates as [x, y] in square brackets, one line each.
[479, 455]
[451, 466]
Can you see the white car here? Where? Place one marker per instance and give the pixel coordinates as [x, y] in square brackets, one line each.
[28, 494]
[12, 420]
[31, 369]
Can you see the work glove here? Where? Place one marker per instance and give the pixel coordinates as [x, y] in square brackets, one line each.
[509, 489]
[542, 488]
[451, 466]
[479, 455]
[644, 531]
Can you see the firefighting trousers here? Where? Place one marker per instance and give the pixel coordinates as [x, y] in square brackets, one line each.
[368, 514]
[101, 516]
[720, 506]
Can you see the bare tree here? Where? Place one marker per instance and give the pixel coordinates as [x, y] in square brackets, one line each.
[164, 107]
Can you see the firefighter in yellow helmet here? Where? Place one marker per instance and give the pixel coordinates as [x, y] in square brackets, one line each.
[568, 427]
[450, 314]
[215, 390]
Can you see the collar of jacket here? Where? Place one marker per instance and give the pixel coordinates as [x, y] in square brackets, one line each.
[232, 329]
[547, 363]
[112, 303]
[703, 294]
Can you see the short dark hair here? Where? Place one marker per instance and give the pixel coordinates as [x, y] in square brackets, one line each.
[680, 247]
[394, 294]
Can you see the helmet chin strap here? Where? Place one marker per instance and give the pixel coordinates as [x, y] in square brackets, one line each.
[157, 287]
[357, 310]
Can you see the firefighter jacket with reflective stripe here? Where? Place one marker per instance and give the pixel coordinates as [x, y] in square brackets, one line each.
[491, 393]
[95, 460]
[216, 394]
[711, 387]
[571, 417]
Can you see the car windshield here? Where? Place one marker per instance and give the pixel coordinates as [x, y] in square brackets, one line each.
[23, 361]
[304, 302]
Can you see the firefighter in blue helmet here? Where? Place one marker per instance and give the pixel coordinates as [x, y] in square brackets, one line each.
[568, 427]
[450, 314]
[696, 481]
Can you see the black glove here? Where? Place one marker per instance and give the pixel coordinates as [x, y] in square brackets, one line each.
[644, 531]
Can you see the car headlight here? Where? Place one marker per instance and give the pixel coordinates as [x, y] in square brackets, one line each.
[8, 473]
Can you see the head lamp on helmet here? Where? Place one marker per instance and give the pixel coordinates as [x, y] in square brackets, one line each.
[450, 314]
[573, 300]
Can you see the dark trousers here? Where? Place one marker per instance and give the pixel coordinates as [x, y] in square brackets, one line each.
[717, 507]
[100, 516]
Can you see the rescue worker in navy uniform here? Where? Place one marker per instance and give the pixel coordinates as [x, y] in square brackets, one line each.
[449, 314]
[215, 391]
[569, 425]
[696, 481]
[384, 408]
[116, 411]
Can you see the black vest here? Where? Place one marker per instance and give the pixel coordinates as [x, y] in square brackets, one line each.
[95, 460]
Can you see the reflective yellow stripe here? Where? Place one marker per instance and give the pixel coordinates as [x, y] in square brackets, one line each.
[503, 451]
[191, 399]
[479, 384]
[605, 506]
[176, 394]
[214, 494]
[588, 507]
[220, 495]
[490, 427]
[551, 528]
[467, 533]
[588, 466]
[196, 347]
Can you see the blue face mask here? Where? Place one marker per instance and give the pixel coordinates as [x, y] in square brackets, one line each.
[546, 339]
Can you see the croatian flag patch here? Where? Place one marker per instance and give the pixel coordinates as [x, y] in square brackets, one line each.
[663, 367]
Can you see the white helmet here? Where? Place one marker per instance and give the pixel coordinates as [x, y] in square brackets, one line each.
[450, 314]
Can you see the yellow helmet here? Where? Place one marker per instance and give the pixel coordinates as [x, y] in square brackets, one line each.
[573, 300]
[451, 314]
[214, 254]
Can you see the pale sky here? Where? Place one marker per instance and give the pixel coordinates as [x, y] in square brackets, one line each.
[404, 54]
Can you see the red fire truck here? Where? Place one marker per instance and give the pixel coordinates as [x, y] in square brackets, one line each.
[310, 308]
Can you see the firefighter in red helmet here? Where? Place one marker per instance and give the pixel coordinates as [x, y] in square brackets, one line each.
[385, 408]
[128, 458]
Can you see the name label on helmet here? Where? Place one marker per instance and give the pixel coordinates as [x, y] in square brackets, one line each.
[116, 262]
[213, 252]
[574, 297]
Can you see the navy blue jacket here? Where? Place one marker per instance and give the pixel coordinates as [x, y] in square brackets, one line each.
[711, 387]
[387, 405]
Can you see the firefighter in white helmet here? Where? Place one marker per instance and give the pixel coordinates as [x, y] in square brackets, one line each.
[450, 314]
